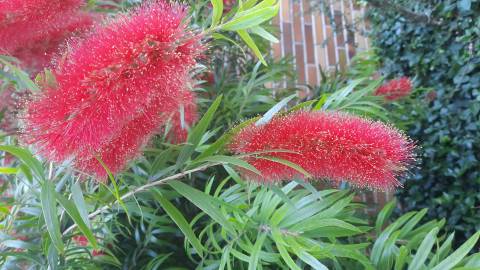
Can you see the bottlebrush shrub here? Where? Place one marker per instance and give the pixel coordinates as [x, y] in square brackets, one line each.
[395, 89]
[115, 89]
[32, 30]
[327, 145]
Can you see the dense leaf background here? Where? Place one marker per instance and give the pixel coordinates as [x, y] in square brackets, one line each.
[443, 54]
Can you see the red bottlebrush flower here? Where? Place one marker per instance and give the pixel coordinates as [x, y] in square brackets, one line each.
[115, 88]
[80, 240]
[127, 144]
[32, 30]
[37, 52]
[29, 11]
[395, 89]
[97, 252]
[332, 146]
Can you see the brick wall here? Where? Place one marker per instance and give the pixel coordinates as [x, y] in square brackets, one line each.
[320, 40]
[308, 35]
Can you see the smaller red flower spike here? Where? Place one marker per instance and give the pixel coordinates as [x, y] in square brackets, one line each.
[395, 89]
[98, 252]
[333, 146]
[80, 240]
[83, 242]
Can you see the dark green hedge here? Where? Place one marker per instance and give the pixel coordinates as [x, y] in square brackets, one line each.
[442, 52]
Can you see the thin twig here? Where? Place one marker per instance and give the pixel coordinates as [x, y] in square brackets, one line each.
[143, 188]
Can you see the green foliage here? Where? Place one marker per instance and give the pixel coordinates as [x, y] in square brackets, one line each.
[406, 244]
[246, 19]
[271, 226]
[445, 57]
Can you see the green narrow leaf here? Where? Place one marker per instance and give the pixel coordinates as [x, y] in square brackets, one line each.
[473, 261]
[7, 170]
[384, 215]
[75, 215]
[305, 256]
[224, 139]
[217, 12]
[279, 192]
[233, 174]
[443, 251]
[52, 257]
[410, 225]
[401, 259]
[225, 260]
[378, 246]
[27, 158]
[219, 36]
[310, 260]
[314, 224]
[303, 105]
[202, 201]
[49, 209]
[423, 251]
[24, 79]
[260, 31]
[334, 100]
[116, 191]
[459, 254]
[255, 255]
[251, 44]
[288, 164]
[310, 188]
[231, 160]
[274, 110]
[277, 237]
[321, 102]
[180, 220]
[197, 132]
[248, 4]
[77, 196]
[250, 18]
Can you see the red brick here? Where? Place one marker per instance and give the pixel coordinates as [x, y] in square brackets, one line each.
[312, 75]
[297, 22]
[342, 59]
[330, 47]
[309, 44]
[286, 10]
[287, 39]
[300, 62]
[339, 28]
[318, 28]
